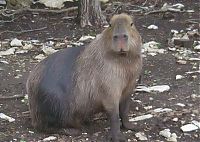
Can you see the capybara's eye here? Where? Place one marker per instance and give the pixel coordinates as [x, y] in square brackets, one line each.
[131, 24]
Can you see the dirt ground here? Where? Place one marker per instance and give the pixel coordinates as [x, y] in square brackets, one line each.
[158, 70]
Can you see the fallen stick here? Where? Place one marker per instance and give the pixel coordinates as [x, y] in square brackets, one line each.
[163, 11]
[18, 96]
[24, 31]
[40, 10]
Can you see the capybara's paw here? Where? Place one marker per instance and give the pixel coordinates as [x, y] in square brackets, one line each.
[118, 138]
[128, 125]
[70, 131]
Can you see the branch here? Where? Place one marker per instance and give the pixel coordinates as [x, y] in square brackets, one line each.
[18, 96]
[163, 11]
[39, 10]
[24, 31]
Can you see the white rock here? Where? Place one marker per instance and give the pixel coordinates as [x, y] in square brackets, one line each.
[178, 5]
[189, 127]
[172, 138]
[84, 38]
[77, 43]
[3, 116]
[48, 50]
[190, 11]
[162, 110]
[153, 27]
[27, 47]
[21, 51]
[175, 119]
[165, 133]
[50, 138]
[194, 59]
[54, 4]
[148, 107]
[50, 43]
[10, 51]
[191, 72]
[172, 49]
[5, 62]
[180, 104]
[182, 62]
[152, 47]
[196, 123]
[174, 31]
[157, 88]
[179, 77]
[16, 42]
[40, 57]
[141, 136]
[142, 117]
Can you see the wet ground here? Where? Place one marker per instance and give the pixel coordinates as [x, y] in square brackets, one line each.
[158, 70]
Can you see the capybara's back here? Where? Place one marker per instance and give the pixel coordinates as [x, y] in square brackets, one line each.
[71, 85]
[49, 88]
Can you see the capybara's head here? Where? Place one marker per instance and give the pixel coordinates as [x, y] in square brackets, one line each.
[123, 34]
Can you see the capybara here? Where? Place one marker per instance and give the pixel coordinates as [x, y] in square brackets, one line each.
[71, 85]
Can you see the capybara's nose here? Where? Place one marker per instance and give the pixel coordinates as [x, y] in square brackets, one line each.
[120, 36]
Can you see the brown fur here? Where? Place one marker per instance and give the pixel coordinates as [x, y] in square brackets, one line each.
[102, 78]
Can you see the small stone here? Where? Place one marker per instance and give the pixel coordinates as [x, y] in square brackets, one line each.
[172, 138]
[165, 133]
[50, 138]
[182, 62]
[85, 38]
[141, 136]
[189, 127]
[40, 57]
[10, 51]
[179, 77]
[142, 117]
[5, 117]
[16, 43]
[175, 119]
[152, 27]
[162, 110]
[48, 50]
[180, 104]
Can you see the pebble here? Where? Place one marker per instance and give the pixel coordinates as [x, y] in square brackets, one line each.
[40, 57]
[141, 136]
[152, 27]
[16, 43]
[3, 116]
[162, 110]
[180, 104]
[170, 137]
[179, 77]
[85, 38]
[50, 138]
[189, 127]
[142, 117]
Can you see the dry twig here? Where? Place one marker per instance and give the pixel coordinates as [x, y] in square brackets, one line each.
[38, 10]
[18, 96]
[23, 31]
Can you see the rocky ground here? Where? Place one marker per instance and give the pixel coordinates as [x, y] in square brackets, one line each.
[171, 63]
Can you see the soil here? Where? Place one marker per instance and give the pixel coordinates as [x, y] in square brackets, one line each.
[160, 69]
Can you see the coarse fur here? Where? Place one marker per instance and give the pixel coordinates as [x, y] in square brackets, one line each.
[71, 85]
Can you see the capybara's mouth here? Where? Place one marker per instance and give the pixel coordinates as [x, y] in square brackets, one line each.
[123, 53]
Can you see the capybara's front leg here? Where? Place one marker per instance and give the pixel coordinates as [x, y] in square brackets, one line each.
[124, 110]
[112, 109]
